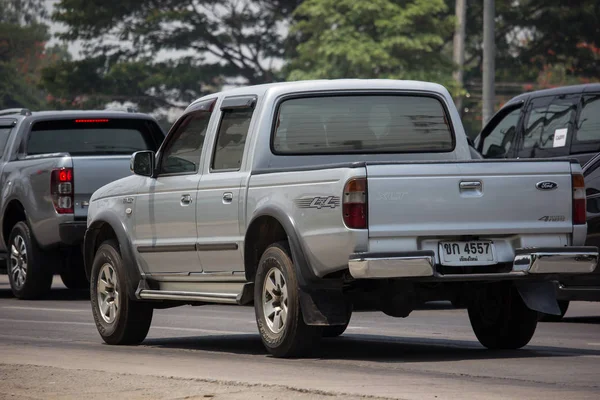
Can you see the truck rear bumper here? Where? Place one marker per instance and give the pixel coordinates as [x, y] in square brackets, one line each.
[532, 262]
[72, 233]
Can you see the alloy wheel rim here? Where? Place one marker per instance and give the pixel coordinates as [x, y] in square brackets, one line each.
[18, 261]
[275, 300]
[108, 293]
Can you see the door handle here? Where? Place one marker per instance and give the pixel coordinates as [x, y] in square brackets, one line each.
[470, 185]
[186, 200]
[227, 197]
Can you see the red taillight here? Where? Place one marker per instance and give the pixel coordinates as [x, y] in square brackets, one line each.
[62, 191]
[90, 121]
[579, 203]
[354, 204]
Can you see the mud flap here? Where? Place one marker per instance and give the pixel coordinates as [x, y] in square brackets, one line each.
[539, 296]
[324, 307]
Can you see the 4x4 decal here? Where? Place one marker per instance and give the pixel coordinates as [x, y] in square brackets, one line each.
[318, 202]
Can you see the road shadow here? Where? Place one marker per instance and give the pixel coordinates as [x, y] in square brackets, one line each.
[580, 320]
[54, 294]
[371, 348]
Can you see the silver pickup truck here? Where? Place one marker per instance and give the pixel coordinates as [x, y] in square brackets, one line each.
[306, 199]
[50, 164]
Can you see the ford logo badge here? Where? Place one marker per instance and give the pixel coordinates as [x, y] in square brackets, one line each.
[546, 185]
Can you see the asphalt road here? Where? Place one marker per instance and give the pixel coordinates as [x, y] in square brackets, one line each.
[431, 354]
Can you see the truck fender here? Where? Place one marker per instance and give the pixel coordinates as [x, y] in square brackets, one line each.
[321, 300]
[132, 270]
[539, 296]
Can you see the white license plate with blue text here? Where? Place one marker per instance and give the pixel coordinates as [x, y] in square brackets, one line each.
[467, 253]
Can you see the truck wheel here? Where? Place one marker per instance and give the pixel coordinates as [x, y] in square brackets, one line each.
[277, 306]
[119, 319]
[563, 305]
[73, 272]
[28, 277]
[500, 318]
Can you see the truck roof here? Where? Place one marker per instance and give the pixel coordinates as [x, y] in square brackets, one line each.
[66, 114]
[331, 84]
[562, 90]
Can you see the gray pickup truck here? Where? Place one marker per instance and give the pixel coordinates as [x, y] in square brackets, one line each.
[308, 198]
[50, 164]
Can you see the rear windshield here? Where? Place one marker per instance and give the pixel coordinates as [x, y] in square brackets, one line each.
[94, 137]
[362, 124]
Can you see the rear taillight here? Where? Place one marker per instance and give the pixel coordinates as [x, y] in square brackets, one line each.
[579, 204]
[354, 204]
[62, 190]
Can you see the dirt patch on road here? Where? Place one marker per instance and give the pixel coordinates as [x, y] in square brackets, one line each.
[27, 382]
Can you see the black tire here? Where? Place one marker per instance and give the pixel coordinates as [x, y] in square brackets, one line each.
[500, 318]
[130, 320]
[37, 280]
[294, 338]
[563, 305]
[73, 271]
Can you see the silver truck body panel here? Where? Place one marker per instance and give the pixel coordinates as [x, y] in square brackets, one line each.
[434, 199]
[93, 172]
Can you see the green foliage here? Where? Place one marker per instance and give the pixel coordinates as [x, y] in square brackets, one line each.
[21, 58]
[375, 39]
[244, 37]
[93, 82]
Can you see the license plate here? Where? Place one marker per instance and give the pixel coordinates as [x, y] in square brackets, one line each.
[467, 253]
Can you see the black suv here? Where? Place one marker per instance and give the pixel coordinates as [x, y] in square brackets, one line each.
[555, 123]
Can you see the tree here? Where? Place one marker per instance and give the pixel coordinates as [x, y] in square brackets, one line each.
[243, 37]
[163, 54]
[372, 39]
[23, 53]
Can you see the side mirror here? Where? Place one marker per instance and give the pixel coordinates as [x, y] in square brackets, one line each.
[142, 163]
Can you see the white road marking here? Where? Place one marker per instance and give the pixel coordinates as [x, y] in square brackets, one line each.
[44, 309]
[357, 327]
[166, 328]
[593, 344]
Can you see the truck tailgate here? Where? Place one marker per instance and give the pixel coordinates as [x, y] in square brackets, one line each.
[468, 198]
[92, 172]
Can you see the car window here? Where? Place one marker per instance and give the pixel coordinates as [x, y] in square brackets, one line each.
[231, 139]
[499, 140]
[94, 136]
[589, 120]
[548, 123]
[4, 134]
[346, 124]
[183, 150]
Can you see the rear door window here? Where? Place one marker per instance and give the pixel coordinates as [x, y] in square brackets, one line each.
[587, 137]
[98, 136]
[548, 127]
[231, 139]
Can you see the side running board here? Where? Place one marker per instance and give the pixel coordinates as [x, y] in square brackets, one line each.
[223, 298]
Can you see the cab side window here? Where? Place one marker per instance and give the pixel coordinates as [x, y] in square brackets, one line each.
[182, 151]
[588, 129]
[499, 141]
[549, 126]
